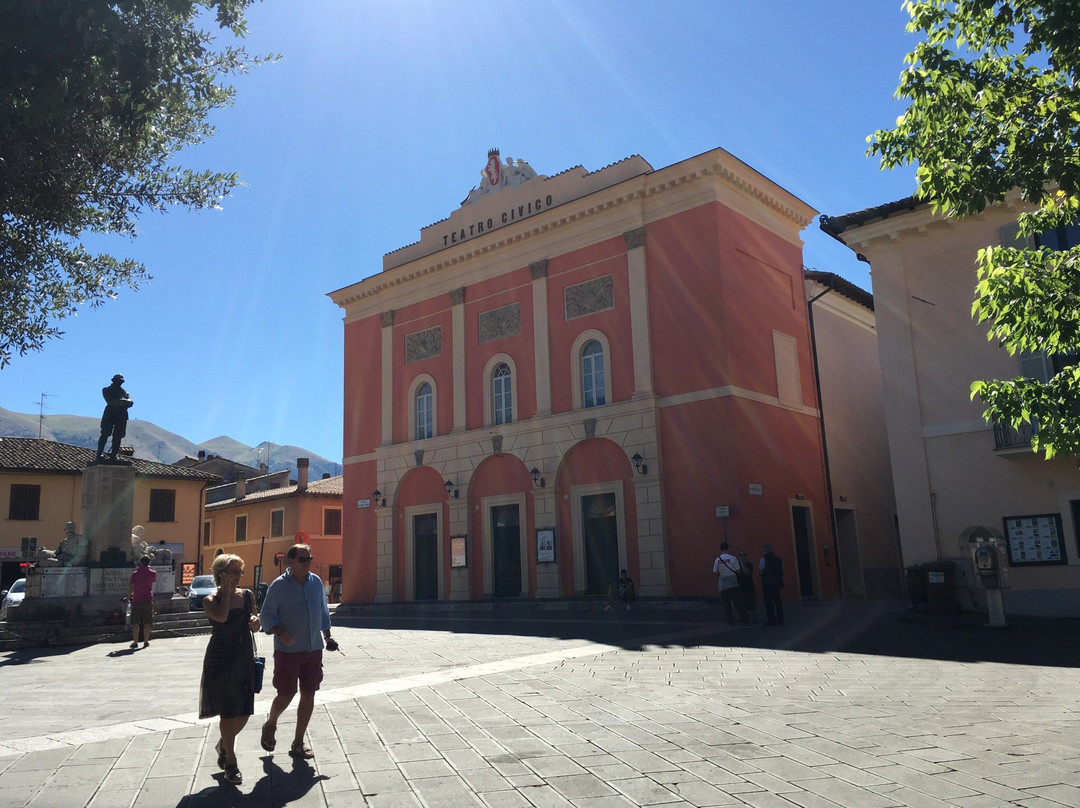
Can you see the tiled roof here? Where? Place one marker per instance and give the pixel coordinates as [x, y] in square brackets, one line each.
[330, 487]
[841, 285]
[835, 225]
[49, 457]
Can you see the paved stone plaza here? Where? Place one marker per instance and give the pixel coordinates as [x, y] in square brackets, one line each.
[850, 704]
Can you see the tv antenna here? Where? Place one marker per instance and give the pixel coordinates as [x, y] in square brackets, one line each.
[41, 411]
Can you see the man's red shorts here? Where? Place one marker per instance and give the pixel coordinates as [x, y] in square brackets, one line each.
[304, 667]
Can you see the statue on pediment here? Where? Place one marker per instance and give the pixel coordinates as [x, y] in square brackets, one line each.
[496, 175]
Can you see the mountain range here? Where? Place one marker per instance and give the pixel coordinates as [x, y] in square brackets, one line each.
[151, 442]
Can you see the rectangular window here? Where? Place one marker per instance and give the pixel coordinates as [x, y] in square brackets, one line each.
[25, 502]
[206, 534]
[162, 505]
[277, 522]
[332, 522]
[1060, 238]
[241, 528]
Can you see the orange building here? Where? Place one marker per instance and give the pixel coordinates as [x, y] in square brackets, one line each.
[583, 372]
[261, 517]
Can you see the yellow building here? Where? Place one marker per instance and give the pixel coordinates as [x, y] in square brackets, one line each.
[41, 490]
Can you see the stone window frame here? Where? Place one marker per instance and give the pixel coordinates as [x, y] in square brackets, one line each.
[281, 526]
[576, 358]
[489, 388]
[414, 391]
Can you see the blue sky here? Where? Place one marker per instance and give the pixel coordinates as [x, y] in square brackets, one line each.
[377, 121]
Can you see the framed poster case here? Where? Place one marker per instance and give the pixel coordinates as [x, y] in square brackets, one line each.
[1035, 540]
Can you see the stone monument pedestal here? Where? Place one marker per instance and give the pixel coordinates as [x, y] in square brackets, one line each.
[89, 594]
[108, 502]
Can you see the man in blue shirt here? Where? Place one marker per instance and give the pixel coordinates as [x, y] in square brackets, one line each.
[295, 613]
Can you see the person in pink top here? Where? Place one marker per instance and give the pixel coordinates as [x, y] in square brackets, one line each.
[142, 601]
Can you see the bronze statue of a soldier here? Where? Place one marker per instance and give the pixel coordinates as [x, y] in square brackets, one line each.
[115, 417]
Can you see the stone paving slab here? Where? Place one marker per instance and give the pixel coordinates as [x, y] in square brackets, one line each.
[639, 710]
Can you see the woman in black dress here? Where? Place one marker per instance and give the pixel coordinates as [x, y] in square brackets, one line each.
[228, 676]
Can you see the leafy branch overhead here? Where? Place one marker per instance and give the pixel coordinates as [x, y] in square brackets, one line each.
[995, 107]
[96, 99]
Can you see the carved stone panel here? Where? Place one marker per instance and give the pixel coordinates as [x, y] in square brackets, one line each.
[504, 321]
[589, 297]
[635, 238]
[424, 344]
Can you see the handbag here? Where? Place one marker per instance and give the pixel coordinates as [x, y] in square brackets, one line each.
[260, 661]
[260, 669]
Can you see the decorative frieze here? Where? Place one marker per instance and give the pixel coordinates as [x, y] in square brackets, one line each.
[425, 344]
[589, 297]
[504, 321]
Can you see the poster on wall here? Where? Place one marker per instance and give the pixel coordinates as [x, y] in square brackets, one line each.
[545, 546]
[458, 552]
[1035, 539]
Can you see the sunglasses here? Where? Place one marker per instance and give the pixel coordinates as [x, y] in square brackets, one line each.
[305, 559]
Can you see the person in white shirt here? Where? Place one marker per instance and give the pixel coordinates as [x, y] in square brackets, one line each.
[726, 567]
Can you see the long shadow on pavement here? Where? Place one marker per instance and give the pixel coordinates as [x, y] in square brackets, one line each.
[277, 787]
[884, 628]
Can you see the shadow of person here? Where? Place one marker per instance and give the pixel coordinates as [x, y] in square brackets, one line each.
[276, 787]
[122, 652]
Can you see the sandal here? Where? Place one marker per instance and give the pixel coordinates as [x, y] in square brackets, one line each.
[298, 750]
[220, 756]
[232, 775]
[268, 741]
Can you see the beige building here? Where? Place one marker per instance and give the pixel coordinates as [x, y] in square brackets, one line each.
[952, 470]
[844, 332]
[41, 490]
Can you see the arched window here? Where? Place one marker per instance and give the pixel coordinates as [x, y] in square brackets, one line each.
[424, 411]
[502, 395]
[593, 393]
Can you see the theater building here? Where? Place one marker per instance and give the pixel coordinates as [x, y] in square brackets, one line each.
[577, 373]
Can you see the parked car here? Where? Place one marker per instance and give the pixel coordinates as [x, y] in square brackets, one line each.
[201, 586]
[13, 596]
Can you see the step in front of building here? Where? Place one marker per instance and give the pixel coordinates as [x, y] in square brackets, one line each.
[45, 633]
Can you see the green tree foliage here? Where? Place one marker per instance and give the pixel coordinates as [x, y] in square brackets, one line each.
[995, 106]
[96, 99]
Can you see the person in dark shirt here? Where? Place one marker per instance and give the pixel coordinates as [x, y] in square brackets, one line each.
[771, 570]
[621, 590]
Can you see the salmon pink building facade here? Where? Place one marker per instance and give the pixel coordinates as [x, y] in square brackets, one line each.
[580, 373]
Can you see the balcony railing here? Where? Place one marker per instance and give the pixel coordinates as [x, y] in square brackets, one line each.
[1006, 437]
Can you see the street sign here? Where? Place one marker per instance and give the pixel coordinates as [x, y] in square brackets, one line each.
[279, 556]
[723, 510]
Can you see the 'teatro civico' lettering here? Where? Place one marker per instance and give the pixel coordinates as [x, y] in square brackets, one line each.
[507, 216]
